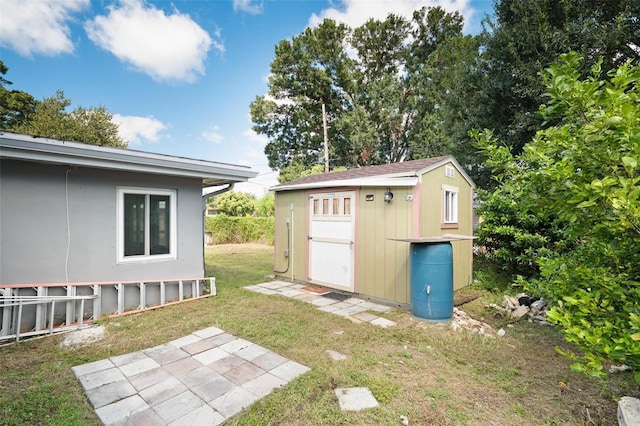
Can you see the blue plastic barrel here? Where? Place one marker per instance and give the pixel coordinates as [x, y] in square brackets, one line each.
[432, 281]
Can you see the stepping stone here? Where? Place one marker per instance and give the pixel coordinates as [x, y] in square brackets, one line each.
[382, 322]
[336, 356]
[355, 399]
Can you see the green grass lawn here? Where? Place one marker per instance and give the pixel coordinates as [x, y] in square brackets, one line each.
[424, 371]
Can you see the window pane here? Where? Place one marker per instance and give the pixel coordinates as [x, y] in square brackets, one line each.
[347, 207]
[134, 224]
[325, 206]
[316, 206]
[159, 224]
[336, 206]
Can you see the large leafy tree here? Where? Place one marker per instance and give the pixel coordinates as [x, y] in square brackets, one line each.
[16, 106]
[88, 125]
[20, 112]
[503, 90]
[382, 86]
[581, 178]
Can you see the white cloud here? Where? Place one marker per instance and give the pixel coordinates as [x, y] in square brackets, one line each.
[167, 47]
[212, 134]
[38, 27]
[356, 12]
[250, 6]
[133, 129]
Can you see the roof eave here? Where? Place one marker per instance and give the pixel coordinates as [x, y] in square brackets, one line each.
[357, 182]
[20, 147]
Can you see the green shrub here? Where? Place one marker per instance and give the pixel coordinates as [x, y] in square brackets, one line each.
[238, 230]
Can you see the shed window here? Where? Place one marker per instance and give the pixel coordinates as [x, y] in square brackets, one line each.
[325, 206]
[347, 206]
[450, 205]
[336, 206]
[146, 224]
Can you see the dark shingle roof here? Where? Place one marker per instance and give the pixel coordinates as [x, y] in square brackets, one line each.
[406, 168]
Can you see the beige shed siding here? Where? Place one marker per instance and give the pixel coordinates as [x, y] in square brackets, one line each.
[299, 246]
[381, 264]
[431, 218]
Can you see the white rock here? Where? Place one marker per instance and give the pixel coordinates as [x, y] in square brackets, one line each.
[520, 312]
[501, 332]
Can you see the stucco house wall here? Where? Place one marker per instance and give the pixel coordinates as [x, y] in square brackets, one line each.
[62, 209]
[37, 232]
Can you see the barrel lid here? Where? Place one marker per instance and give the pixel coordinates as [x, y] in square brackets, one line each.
[436, 238]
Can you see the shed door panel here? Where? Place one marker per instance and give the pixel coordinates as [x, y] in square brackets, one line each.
[331, 239]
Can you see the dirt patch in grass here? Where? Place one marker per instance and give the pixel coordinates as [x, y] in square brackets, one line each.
[421, 370]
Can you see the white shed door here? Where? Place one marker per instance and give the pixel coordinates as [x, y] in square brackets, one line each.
[331, 236]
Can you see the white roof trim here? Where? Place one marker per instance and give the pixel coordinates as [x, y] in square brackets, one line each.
[363, 182]
[28, 148]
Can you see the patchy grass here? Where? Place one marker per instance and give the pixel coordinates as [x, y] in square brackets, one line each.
[424, 371]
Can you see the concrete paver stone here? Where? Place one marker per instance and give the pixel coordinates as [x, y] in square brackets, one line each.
[289, 370]
[165, 354]
[208, 332]
[110, 393]
[178, 343]
[252, 351]
[204, 415]
[178, 406]
[139, 366]
[162, 391]
[355, 399]
[118, 411]
[92, 367]
[233, 402]
[100, 378]
[263, 385]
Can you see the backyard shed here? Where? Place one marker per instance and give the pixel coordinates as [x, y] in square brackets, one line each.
[342, 230]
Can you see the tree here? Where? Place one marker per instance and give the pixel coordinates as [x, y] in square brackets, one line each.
[382, 85]
[502, 90]
[92, 125]
[581, 177]
[234, 203]
[16, 107]
[21, 113]
[266, 206]
[297, 170]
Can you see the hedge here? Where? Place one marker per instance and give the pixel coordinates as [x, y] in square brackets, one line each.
[237, 230]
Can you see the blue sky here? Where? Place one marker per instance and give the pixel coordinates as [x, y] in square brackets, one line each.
[177, 75]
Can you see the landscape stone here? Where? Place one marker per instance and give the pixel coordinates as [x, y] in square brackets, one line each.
[355, 399]
[629, 411]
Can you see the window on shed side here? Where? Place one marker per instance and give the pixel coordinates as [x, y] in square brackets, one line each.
[146, 224]
[449, 205]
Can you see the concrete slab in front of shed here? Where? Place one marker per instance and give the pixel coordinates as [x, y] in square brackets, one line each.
[355, 399]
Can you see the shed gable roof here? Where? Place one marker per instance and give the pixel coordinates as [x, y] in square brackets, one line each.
[44, 150]
[393, 174]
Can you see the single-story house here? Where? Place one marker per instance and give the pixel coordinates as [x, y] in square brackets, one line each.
[341, 230]
[72, 212]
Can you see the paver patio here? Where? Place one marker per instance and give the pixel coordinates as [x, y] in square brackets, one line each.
[200, 379]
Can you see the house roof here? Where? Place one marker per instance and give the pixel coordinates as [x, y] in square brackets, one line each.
[44, 150]
[405, 173]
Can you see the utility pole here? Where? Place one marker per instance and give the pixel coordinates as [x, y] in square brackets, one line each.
[326, 140]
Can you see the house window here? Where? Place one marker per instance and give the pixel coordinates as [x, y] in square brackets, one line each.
[146, 224]
[450, 205]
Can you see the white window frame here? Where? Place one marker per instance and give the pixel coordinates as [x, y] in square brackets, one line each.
[173, 213]
[449, 171]
[450, 201]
